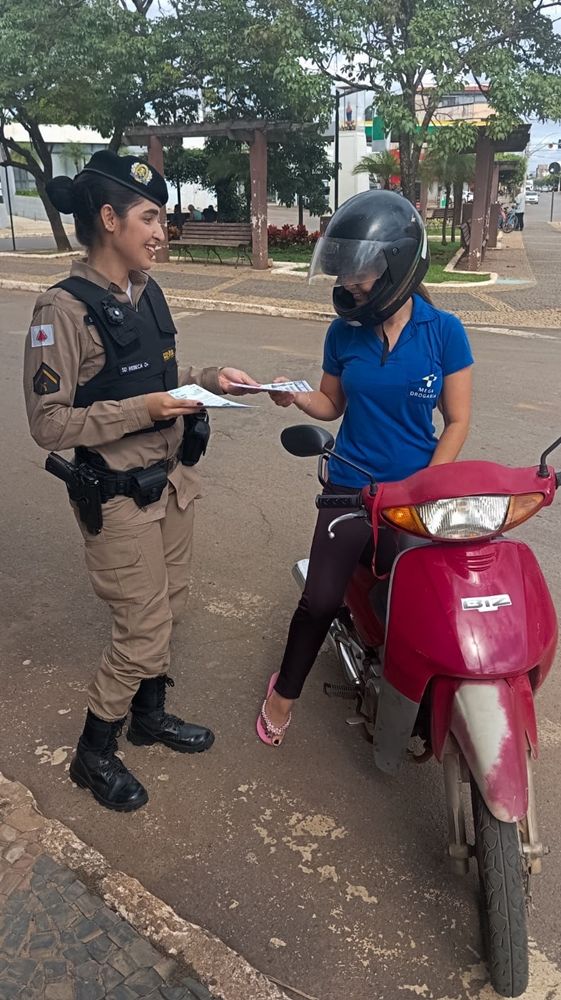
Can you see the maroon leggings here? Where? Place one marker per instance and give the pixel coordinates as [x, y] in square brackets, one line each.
[332, 563]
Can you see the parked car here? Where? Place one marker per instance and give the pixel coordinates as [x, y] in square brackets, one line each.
[532, 198]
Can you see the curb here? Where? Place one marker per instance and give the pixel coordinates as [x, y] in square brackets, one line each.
[204, 305]
[24, 255]
[222, 970]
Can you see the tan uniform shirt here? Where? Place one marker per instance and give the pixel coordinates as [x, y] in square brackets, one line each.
[73, 349]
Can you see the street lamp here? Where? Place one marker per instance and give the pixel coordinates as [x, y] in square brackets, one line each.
[4, 163]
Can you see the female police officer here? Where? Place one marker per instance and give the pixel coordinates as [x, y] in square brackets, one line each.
[99, 359]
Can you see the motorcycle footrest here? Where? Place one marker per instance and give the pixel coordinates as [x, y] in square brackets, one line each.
[348, 691]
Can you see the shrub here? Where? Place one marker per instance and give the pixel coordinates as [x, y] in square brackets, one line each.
[290, 236]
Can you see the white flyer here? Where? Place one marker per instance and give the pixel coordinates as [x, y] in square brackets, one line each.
[298, 386]
[208, 399]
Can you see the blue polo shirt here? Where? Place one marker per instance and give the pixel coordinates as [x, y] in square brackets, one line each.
[388, 425]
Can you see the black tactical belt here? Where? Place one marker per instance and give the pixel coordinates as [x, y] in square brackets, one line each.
[144, 486]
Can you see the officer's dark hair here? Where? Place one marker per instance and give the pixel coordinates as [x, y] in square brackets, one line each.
[83, 198]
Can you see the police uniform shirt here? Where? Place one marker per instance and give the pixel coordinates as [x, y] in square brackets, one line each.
[388, 425]
[64, 350]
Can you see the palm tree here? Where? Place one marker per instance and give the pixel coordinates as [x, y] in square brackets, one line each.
[380, 165]
[452, 170]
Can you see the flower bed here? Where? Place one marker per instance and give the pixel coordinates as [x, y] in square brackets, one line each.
[282, 237]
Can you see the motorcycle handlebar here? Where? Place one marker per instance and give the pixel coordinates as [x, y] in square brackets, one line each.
[339, 500]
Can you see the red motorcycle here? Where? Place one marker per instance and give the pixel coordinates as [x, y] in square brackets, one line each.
[448, 649]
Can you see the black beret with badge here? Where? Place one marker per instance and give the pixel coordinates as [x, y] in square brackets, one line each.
[131, 172]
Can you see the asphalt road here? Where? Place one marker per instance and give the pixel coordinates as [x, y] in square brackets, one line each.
[321, 871]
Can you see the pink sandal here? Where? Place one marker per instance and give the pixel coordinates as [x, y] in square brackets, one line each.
[267, 732]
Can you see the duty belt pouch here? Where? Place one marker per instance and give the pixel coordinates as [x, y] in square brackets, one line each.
[196, 433]
[147, 485]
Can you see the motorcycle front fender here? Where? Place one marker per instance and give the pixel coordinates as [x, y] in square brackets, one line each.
[494, 723]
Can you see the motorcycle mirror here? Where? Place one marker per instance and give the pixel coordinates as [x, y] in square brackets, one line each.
[306, 440]
[542, 471]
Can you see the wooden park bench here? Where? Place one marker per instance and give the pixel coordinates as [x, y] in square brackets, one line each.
[212, 235]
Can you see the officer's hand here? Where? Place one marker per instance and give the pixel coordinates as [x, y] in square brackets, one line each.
[283, 398]
[162, 406]
[228, 376]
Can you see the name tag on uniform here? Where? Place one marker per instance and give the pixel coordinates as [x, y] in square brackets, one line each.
[42, 336]
[137, 366]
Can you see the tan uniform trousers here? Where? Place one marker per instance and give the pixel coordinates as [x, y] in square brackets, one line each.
[141, 570]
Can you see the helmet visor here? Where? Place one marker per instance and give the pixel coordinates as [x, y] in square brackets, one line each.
[347, 261]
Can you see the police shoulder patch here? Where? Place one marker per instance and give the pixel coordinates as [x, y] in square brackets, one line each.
[46, 380]
[42, 336]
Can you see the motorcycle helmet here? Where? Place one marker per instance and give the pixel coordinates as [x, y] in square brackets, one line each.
[376, 235]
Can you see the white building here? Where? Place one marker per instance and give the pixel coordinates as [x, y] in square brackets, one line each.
[71, 148]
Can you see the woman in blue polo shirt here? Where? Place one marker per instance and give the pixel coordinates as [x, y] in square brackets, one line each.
[389, 359]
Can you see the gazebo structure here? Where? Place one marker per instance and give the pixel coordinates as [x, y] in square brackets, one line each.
[486, 186]
[257, 133]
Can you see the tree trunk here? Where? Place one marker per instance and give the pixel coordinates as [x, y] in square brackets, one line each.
[116, 140]
[446, 210]
[409, 163]
[178, 186]
[300, 210]
[61, 239]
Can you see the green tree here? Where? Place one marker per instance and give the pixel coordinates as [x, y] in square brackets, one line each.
[75, 152]
[383, 166]
[512, 179]
[452, 170]
[185, 166]
[413, 52]
[246, 72]
[79, 62]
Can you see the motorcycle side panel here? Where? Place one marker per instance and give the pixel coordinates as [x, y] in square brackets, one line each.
[488, 721]
[439, 624]
[358, 600]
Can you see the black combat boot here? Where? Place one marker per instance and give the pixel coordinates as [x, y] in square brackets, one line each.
[151, 723]
[95, 766]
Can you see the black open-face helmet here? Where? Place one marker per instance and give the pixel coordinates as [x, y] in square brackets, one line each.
[379, 236]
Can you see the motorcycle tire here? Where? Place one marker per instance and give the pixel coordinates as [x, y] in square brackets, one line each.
[502, 875]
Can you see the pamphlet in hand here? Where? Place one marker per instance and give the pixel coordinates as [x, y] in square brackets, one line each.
[299, 386]
[208, 399]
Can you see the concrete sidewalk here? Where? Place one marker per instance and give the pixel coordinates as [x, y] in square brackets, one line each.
[516, 300]
[72, 928]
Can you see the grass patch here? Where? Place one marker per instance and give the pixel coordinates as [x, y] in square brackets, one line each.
[296, 254]
[439, 258]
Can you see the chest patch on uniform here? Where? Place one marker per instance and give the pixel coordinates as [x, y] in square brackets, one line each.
[42, 336]
[46, 380]
[136, 366]
[168, 355]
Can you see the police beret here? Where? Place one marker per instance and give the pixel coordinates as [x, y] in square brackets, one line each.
[131, 172]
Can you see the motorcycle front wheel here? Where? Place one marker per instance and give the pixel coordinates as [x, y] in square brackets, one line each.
[503, 879]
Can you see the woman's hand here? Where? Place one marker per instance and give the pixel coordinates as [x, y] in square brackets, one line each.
[227, 376]
[162, 406]
[284, 398]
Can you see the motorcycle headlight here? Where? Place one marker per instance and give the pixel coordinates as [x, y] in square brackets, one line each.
[460, 518]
